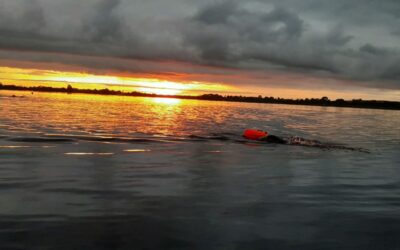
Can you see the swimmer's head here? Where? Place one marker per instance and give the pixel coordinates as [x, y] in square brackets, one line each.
[254, 134]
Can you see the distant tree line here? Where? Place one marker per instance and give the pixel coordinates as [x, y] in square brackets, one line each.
[324, 101]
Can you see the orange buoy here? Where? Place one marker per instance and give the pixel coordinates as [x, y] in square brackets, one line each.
[254, 134]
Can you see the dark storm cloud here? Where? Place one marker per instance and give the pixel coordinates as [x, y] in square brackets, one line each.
[232, 35]
[105, 25]
[356, 40]
[24, 16]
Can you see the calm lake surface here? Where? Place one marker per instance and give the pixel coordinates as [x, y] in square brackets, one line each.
[104, 172]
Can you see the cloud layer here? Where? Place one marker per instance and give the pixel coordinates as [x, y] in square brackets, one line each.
[355, 41]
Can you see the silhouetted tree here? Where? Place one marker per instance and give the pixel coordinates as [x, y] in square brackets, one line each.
[69, 88]
[325, 99]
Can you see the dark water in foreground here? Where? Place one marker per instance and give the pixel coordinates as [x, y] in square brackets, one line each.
[92, 172]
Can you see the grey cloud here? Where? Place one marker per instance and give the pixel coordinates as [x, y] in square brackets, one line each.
[217, 13]
[396, 32]
[22, 15]
[337, 36]
[104, 25]
[226, 38]
[33, 16]
[354, 12]
[388, 67]
[373, 50]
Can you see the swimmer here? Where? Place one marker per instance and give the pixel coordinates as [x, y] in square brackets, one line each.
[263, 136]
[260, 135]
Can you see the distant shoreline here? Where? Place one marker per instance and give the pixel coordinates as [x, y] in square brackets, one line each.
[324, 101]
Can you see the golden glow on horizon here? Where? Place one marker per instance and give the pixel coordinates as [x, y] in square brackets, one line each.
[154, 85]
[171, 85]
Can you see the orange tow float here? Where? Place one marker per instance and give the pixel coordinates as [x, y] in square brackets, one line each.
[254, 134]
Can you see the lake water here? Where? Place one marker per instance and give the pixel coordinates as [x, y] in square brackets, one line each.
[103, 172]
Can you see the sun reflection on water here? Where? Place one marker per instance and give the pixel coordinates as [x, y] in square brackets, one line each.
[167, 101]
[88, 153]
[137, 150]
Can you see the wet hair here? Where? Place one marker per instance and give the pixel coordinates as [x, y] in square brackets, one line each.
[274, 139]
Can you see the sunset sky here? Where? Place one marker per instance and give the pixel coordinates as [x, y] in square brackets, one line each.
[285, 48]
